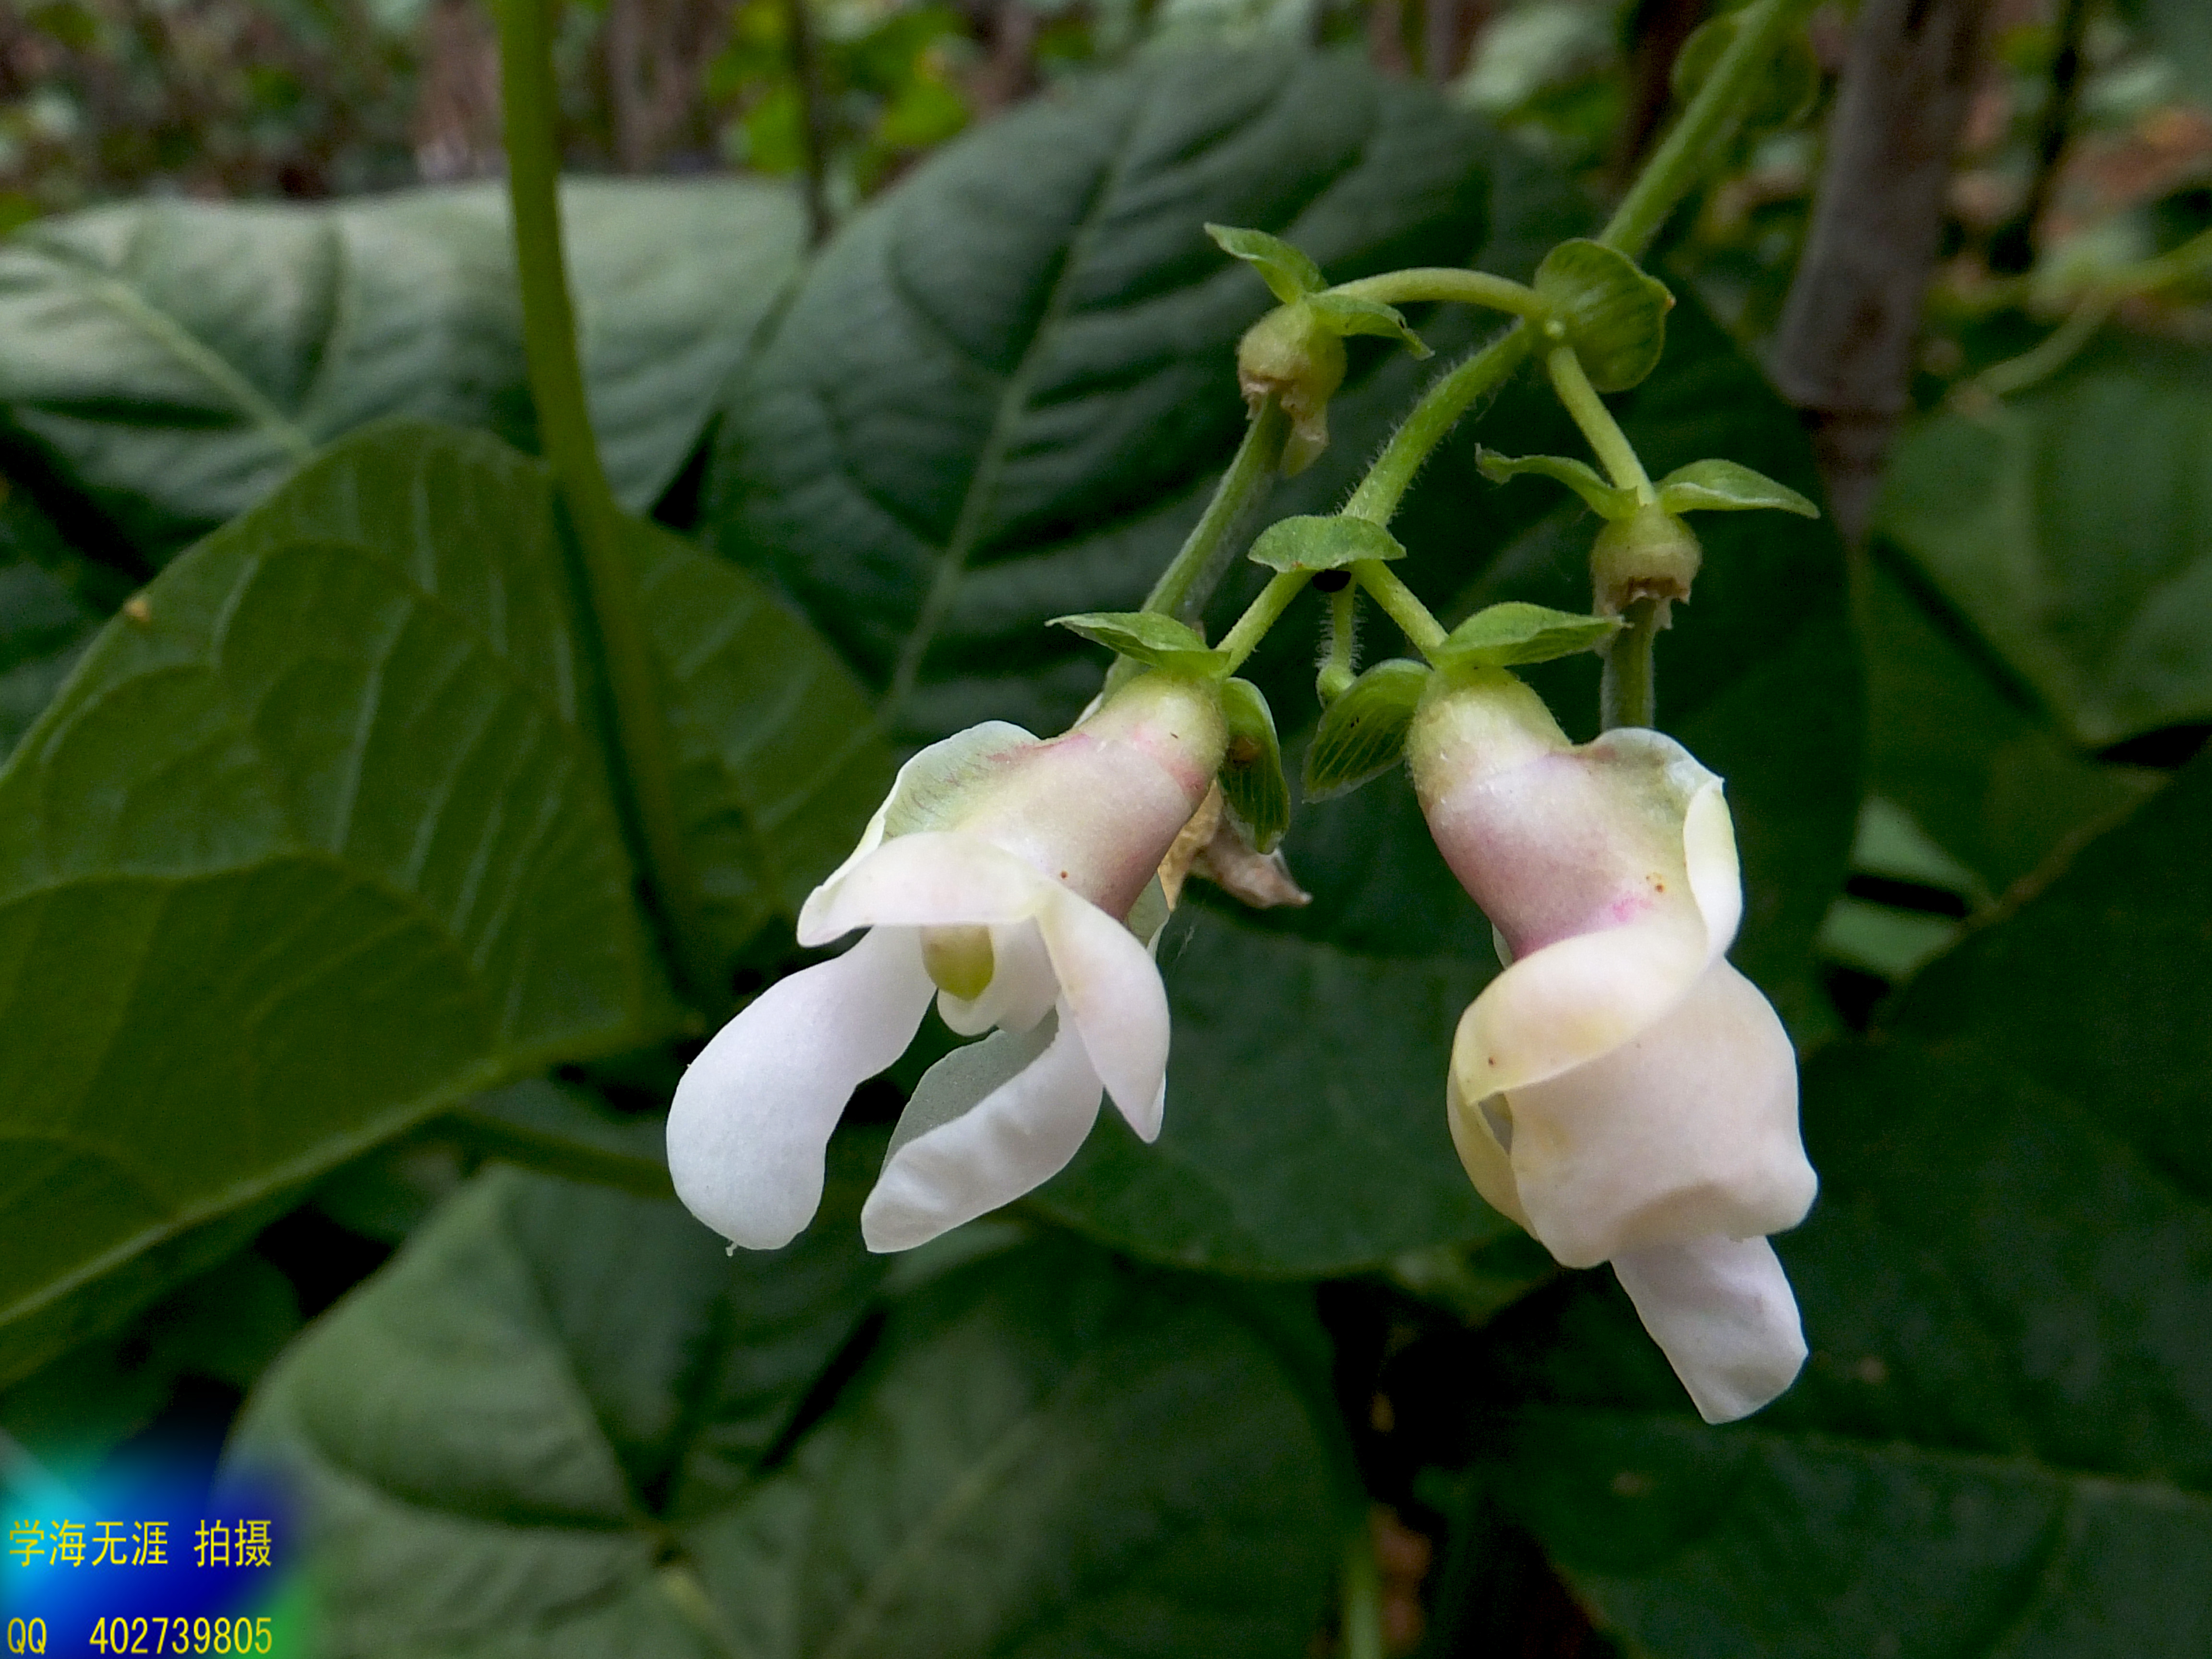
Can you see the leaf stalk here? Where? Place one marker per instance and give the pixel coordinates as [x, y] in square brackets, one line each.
[643, 769]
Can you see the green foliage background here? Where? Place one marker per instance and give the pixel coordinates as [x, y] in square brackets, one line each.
[319, 927]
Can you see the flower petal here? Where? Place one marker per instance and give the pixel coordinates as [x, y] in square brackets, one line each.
[995, 1120]
[1110, 987]
[1722, 1311]
[1568, 1004]
[925, 795]
[1689, 1128]
[753, 1114]
[930, 878]
[1483, 1152]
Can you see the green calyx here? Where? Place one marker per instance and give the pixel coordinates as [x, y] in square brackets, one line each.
[1600, 302]
[1333, 542]
[1151, 638]
[1361, 735]
[1295, 354]
[1650, 555]
[1252, 781]
[1509, 635]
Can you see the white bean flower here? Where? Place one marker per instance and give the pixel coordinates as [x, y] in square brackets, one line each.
[1620, 1089]
[999, 878]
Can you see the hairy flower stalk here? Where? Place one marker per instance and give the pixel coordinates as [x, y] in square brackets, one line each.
[1619, 1089]
[998, 877]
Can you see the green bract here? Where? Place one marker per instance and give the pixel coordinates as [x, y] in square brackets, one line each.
[1148, 637]
[1289, 273]
[1580, 477]
[1607, 309]
[1362, 732]
[1727, 487]
[1347, 314]
[1252, 772]
[1323, 544]
[1505, 636]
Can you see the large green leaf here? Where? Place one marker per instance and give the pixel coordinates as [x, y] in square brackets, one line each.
[563, 1421]
[2003, 1442]
[1003, 392]
[2072, 527]
[321, 842]
[179, 360]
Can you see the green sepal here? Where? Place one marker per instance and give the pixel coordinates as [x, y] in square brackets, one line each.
[1726, 487]
[1580, 477]
[1782, 97]
[1507, 635]
[1149, 637]
[1362, 734]
[1289, 273]
[1604, 305]
[1328, 543]
[1252, 767]
[1342, 314]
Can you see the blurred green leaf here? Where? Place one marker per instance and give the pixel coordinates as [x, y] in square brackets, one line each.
[1004, 391]
[2003, 1440]
[321, 844]
[778, 759]
[2073, 529]
[560, 1130]
[563, 1416]
[179, 360]
[1956, 745]
[45, 618]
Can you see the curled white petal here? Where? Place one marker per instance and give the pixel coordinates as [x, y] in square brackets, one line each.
[1722, 1311]
[1110, 989]
[932, 878]
[1021, 1133]
[1688, 1128]
[753, 1115]
[1571, 1003]
[923, 795]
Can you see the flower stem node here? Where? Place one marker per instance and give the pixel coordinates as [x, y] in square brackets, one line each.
[1649, 555]
[1295, 354]
[1619, 1089]
[998, 878]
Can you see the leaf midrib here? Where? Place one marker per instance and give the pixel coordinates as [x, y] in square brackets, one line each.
[1013, 406]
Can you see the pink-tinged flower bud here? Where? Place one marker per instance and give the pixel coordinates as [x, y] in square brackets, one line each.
[999, 878]
[1619, 1089]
